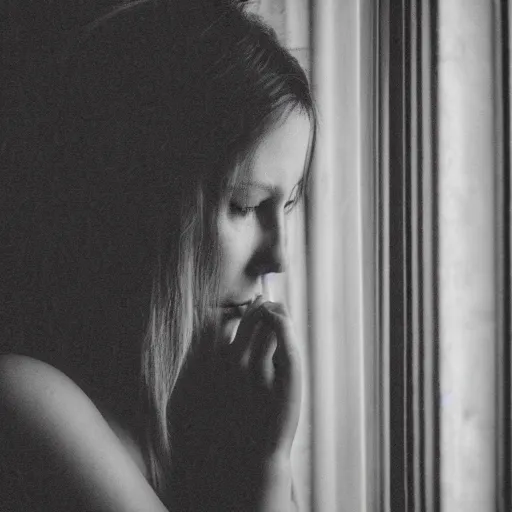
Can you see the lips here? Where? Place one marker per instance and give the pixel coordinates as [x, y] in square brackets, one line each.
[237, 304]
[234, 310]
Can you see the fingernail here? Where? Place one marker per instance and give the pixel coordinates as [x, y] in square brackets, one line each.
[265, 286]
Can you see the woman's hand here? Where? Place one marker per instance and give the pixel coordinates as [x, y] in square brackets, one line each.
[235, 411]
[266, 360]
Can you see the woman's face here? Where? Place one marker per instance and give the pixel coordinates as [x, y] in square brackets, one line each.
[252, 236]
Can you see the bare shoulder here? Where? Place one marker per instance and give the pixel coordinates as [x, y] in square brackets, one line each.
[55, 434]
[38, 396]
[28, 385]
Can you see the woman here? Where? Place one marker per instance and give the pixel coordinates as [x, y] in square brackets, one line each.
[148, 180]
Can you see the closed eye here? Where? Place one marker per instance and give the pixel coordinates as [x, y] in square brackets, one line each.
[242, 211]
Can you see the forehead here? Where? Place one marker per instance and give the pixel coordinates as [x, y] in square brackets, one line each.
[279, 158]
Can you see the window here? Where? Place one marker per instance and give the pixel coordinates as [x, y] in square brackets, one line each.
[408, 255]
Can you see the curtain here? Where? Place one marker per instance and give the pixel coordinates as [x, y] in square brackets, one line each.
[444, 254]
[474, 255]
[400, 274]
[342, 259]
[409, 256]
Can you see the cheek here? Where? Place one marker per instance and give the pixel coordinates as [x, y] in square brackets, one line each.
[235, 246]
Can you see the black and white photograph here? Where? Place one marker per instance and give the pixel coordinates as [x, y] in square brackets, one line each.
[255, 256]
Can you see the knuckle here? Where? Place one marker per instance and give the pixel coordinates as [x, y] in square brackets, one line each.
[275, 307]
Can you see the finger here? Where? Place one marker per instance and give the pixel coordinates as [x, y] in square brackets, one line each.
[278, 308]
[286, 383]
[286, 357]
[277, 318]
[245, 329]
[261, 362]
[255, 340]
[258, 343]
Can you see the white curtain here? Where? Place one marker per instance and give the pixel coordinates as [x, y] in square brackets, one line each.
[471, 265]
[331, 280]
[410, 256]
[342, 259]
[401, 287]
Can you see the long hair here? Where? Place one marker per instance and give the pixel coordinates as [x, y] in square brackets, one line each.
[117, 176]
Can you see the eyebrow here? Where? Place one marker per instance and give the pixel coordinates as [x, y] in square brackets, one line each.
[266, 187]
[271, 189]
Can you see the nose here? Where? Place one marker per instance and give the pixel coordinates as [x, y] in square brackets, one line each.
[272, 253]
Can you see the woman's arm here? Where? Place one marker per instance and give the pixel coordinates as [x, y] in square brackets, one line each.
[50, 429]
